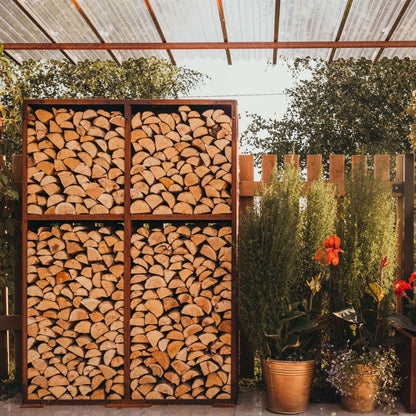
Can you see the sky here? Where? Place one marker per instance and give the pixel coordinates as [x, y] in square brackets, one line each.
[257, 86]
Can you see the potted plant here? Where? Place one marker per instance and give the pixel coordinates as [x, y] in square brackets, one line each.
[362, 365]
[288, 375]
[359, 295]
[275, 317]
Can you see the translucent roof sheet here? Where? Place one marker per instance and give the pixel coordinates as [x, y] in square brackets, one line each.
[405, 31]
[369, 20]
[196, 22]
[123, 21]
[189, 21]
[250, 21]
[15, 26]
[305, 20]
[55, 16]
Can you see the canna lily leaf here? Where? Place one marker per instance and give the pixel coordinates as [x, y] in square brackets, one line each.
[303, 325]
[348, 315]
[292, 342]
[376, 291]
[399, 321]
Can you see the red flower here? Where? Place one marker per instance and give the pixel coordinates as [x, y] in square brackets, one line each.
[400, 288]
[412, 278]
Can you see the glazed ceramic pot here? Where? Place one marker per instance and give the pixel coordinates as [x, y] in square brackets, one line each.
[288, 385]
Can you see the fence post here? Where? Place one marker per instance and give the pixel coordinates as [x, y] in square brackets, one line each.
[4, 336]
[409, 199]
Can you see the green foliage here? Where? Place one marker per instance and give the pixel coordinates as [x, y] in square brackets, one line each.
[139, 78]
[294, 334]
[9, 225]
[10, 112]
[367, 230]
[9, 228]
[269, 247]
[319, 222]
[343, 107]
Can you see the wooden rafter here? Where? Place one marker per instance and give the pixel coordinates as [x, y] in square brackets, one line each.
[40, 27]
[341, 28]
[159, 29]
[93, 28]
[224, 29]
[370, 44]
[394, 27]
[276, 29]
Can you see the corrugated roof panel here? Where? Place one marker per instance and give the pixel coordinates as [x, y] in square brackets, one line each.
[54, 16]
[304, 53]
[404, 31]
[189, 21]
[181, 54]
[368, 20]
[15, 26]
[123, 21]
[250, 21]
[309, 20]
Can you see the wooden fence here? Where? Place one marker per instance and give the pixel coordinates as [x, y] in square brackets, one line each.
[402, 187]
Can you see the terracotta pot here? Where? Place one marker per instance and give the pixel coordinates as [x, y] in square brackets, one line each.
[362, 397]
[288, 385]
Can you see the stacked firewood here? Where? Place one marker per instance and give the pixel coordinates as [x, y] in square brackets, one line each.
[75, 301]
[75, 162]
[181, 312]
[181, 162]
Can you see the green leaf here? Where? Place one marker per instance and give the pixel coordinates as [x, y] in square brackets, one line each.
[349, 315]
[399, 321]
[376, 291]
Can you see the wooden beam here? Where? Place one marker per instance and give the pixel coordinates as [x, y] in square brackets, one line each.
[213, 45]
[341, 27]
[224, 29]
[159, 29]
[394, 27]
[276, 29]
[94, 29]
[40, 27]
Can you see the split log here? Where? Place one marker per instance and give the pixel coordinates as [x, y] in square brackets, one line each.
[78, 159]
[76, 347]
[189, 160]
[181, 327]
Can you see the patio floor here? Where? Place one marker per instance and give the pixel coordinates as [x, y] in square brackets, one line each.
[250, 403]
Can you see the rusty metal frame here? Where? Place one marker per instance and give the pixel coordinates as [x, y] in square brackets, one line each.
[230, 107]
[369, 44]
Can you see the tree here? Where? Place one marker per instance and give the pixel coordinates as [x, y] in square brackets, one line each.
[343, 107]
[139, 78]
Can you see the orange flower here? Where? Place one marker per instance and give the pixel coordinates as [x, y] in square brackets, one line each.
[384, 262]
[328, 251]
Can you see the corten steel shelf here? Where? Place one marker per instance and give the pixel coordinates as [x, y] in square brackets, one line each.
[128, 107]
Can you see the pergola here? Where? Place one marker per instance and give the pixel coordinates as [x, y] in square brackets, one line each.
[227, 29]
